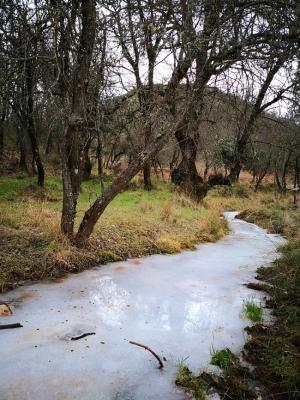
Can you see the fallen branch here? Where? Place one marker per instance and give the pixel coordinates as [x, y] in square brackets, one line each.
[82, 336]
[11, 326]
[161, 365]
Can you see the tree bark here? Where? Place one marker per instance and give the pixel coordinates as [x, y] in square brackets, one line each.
[72, 146]
[99, 155]
[23, 150]
[3, 115]
[147, 176]
[280, 173]
[30, 126]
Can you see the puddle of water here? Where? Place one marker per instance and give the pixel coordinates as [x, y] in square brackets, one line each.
[180, 306]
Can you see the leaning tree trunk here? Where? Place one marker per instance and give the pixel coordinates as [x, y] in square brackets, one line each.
[93, 214]
[96, 210]
[154, 145]
[257, 109]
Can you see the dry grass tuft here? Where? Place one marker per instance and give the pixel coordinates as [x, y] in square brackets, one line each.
[167, 210]
[168, 245]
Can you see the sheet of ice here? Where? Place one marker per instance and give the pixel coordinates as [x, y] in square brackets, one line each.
[181, 306]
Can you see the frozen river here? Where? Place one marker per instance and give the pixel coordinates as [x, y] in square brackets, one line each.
[181, 306]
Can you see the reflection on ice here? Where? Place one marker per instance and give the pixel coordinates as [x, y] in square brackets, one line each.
[111, 301]
[179, 305]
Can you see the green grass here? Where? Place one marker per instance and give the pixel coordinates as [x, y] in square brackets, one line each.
[223, 358]
[194, 384]
[253, 311]
[274, 351]
[135, 223]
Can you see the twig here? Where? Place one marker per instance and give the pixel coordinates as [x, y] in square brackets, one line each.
[11, 326]
[83, 335]
[161, 365]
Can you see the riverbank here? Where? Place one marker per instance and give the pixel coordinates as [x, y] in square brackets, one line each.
[137, 223]
[181, 306]
[273, 350]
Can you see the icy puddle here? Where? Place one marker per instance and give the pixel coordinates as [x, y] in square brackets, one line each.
[180, 306]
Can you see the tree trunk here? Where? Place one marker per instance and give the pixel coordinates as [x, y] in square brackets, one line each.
[99, 155]
[87, 165]
[72, 146]
[36, 156]
[257, 109]
[296, 180]
[235, 171]
[2, 134]
[280, 173]
[49, 143]
[69, 197]
[186, 174]
[22, 149]
[30, 126]
[95, 211]
[148, 134]
[147, 176]
[1, 141]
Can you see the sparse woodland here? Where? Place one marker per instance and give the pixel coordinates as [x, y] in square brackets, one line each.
[128, 126]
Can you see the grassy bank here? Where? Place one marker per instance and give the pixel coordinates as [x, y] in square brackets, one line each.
[273, 350]
[136, 223]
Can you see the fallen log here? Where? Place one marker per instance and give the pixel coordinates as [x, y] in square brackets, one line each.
[161, 365]
[11, 326]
